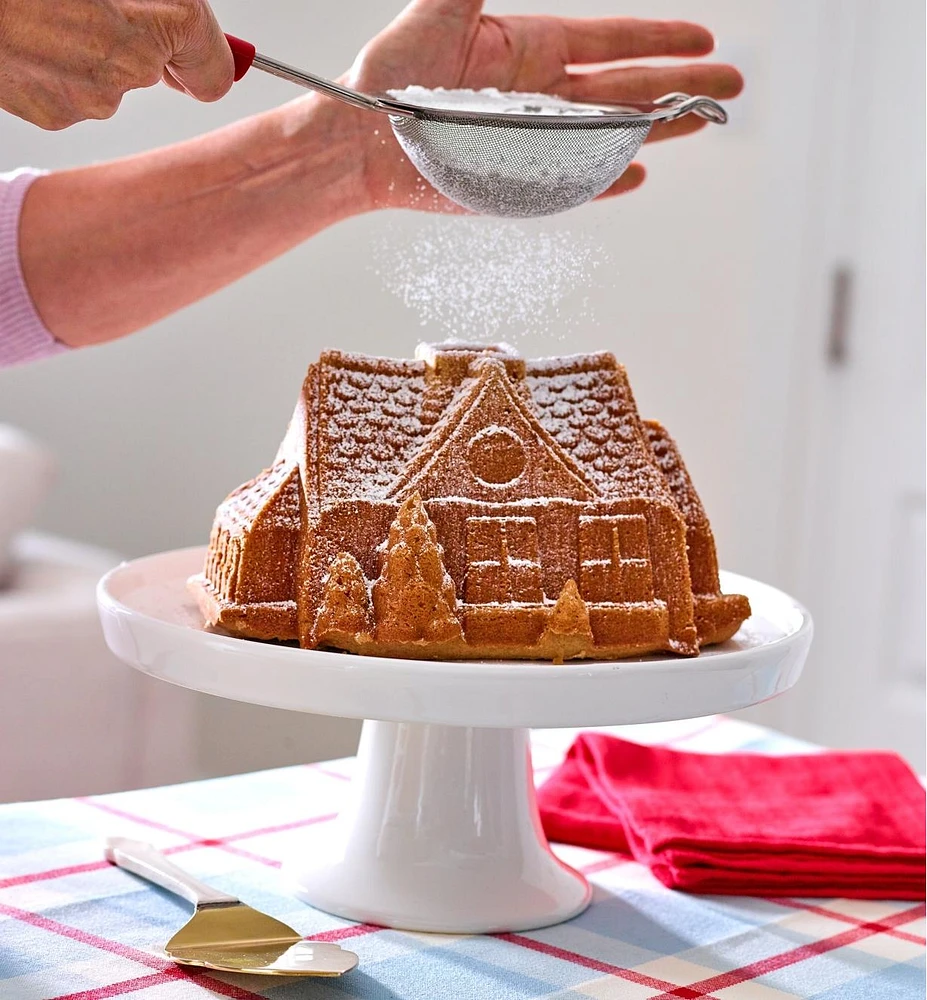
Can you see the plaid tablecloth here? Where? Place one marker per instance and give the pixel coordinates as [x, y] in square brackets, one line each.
[72, 926]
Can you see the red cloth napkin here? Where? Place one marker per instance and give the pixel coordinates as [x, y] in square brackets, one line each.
[828, 824]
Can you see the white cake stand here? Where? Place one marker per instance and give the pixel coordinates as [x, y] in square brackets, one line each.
[441, 831]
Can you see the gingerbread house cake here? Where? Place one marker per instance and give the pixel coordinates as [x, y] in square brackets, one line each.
[470, 503]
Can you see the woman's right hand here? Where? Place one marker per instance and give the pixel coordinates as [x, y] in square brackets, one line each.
[62, 62]
[452, 43]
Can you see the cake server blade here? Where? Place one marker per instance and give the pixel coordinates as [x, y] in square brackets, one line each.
[225, 934]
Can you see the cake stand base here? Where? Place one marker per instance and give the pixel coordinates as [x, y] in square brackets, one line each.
[441, 833]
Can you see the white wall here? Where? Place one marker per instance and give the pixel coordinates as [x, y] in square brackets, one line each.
[153, 431]
[703, 302]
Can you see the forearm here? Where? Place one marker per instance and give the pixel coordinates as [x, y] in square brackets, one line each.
[112, 248]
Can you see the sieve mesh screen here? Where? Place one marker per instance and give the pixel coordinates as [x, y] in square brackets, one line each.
[518, 170]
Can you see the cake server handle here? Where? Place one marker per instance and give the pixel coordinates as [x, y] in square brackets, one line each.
[246, 56]
[149, 863]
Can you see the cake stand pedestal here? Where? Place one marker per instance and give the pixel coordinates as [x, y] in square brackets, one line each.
[441, 831]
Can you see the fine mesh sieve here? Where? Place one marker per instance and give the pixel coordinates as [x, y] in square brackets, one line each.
[508, 164]
[500, 168]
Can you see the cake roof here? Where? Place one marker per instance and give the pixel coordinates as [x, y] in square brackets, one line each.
[364, 424]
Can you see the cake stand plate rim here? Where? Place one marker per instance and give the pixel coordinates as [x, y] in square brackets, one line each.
[171, 646]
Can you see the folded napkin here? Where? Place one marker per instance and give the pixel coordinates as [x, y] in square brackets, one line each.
[828, 824]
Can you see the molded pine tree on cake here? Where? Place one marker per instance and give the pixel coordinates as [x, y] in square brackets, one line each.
[414, 599]
[345, 613]
[568, 632]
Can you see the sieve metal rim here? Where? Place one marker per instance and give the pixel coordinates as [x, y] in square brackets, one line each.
[666, 108]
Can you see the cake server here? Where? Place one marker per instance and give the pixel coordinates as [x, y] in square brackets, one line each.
[224, 934]
[516, 165]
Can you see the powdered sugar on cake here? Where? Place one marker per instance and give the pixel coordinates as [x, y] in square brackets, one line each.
[469, 504]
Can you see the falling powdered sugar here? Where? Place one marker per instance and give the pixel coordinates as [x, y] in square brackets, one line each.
[487, 280]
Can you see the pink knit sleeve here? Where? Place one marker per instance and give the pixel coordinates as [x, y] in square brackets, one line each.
[23, 335]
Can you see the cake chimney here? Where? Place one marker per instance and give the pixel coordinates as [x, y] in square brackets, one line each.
[454, 360]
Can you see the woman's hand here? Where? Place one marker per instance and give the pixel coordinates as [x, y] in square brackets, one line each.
[451, 43]
[62, 61]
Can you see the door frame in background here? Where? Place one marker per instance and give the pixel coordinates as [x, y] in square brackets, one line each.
[841, 322]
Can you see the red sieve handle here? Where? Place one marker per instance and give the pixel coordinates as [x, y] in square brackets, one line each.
[243, 53]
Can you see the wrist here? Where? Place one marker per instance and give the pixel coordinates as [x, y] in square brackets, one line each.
[329, 144]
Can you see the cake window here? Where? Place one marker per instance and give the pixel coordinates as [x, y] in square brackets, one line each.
[614, 554]
[496, 456]
[502, 561]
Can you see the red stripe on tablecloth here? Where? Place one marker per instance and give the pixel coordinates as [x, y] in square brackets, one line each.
[89, 866]
[279, 828]
[227, 843]
[613, 861]
[207, 841]
[574, 958]
[192, 844]
[121, 988]
[239, 852]
[223, 843]
[192, 837]
[159, 978]
[340, 933]
[694, 991]
[703, 990]
[166, 969]
[85, 937]
[95, 866]
[124, 814]
[823, 911]
[321, 769]
[713, 723]
[217, 985]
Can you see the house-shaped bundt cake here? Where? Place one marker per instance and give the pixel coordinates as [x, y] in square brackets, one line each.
[470, 503]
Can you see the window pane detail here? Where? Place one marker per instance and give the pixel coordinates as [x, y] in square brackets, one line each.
[503, 565]
[485, 581]
[614, 557]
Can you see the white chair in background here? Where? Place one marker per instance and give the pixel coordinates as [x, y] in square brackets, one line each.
[26, 472]
[76, 721]
[73, 720]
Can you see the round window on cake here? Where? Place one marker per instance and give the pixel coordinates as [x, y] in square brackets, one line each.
[496, 456]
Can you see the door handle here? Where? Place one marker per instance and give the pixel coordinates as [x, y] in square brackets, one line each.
[838, 334]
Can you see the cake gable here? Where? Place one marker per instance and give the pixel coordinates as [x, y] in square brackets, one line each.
[586, 404]
[490, 446]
